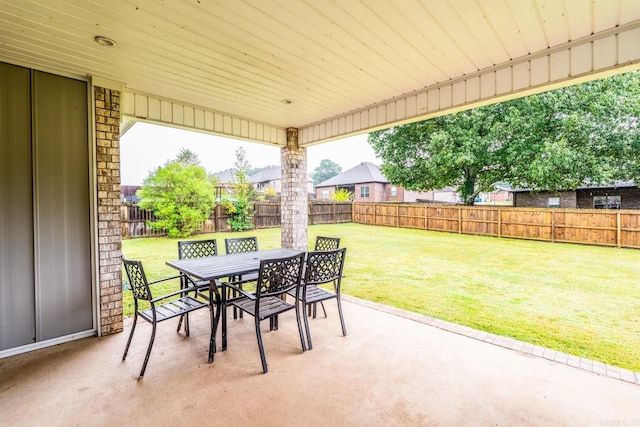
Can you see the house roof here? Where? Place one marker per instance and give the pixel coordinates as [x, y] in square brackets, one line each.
[226, 176]
[364, 172]
[270, 173]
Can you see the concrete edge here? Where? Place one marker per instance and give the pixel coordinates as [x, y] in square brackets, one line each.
[589, 365]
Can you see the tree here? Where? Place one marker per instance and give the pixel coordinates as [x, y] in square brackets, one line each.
[187, 157]
[456, 150]
[239, 207]
[556, 140]
[579, 135]
[342, 195]
[180, 194]
[325, 170]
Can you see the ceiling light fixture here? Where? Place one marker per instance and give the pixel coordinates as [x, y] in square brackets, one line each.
[287, 101]
[104, 41]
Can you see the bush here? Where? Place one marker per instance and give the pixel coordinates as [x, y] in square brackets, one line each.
[180, 196]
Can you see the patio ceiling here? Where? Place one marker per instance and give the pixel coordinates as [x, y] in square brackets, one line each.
[347, 66]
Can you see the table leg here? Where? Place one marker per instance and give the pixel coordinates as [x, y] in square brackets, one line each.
[224, 319]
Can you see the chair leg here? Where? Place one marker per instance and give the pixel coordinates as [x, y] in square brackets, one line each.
[306, 322]
[186, 324]
[214, 328]
[304, 347]
[179, 323]
[323, 310]
[146, 358]
[133, 328]
[344, 329]
[263, 358]
[235, 309]
[182, 286]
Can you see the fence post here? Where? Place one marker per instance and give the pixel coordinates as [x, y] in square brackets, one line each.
[459, 220]
[334, 213]
[426, 218]
[618, 230]
[397, 215]
[499, 223]
[375, 208]
[553, 226]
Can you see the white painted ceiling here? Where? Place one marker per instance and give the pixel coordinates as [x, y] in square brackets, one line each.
[329, 57]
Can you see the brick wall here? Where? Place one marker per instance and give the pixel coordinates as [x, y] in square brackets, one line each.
[107, 127]
[629, 197]
[581, 199]
[319, 191]
[541, 199]
[376, 192]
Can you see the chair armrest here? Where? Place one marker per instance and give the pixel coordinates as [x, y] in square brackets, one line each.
[174, 293]
[237, 289]
[165, 279]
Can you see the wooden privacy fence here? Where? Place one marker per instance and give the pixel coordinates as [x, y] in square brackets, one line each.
[586, 226]
[267, 215]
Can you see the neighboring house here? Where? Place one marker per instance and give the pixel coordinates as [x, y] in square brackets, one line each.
[501, 195]
[226, 176]
[270, 177]
[128, 193]
[367, 184]
[620, 195]
[448, 195]
[226, 179]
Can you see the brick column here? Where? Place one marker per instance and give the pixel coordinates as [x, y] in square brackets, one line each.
[107, 127]
[294, 198]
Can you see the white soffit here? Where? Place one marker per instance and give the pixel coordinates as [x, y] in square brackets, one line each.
[348, 66]
[597, 56]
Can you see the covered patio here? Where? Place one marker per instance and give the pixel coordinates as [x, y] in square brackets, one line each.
[393, 368]
[76, 75]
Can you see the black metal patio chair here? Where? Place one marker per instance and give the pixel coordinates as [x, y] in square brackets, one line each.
[322, 267]
[241, 245]
[323, 243]
[276, 278]
[327, 243]
[189, 249]
[163, 307]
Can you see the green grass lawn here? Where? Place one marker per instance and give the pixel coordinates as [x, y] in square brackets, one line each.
[581, 300]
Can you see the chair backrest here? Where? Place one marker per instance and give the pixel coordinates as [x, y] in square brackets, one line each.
[324, 267]
[241, 245]
[137, 279]
[327, 243]
[188, 249]
[280, 275]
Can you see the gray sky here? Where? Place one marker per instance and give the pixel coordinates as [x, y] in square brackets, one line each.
[145, 147]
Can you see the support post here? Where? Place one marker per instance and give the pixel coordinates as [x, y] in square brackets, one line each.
[294, 198]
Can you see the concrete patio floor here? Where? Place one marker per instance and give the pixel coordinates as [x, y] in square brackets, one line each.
[390, 370]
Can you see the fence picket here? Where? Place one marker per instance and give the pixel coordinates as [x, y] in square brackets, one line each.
[134, 220]
[587, 226]
[584, 226]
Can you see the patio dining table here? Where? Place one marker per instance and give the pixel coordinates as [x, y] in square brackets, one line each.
[213, 268]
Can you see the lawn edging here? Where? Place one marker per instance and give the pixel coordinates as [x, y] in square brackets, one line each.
[589, 365]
